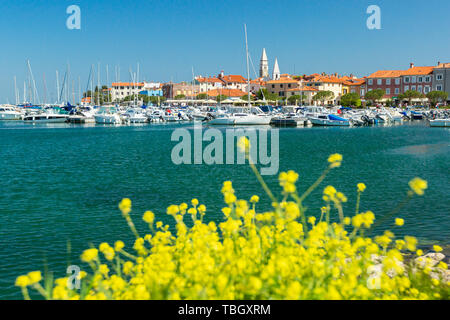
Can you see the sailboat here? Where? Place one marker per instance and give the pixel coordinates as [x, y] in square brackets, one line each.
[243, 118]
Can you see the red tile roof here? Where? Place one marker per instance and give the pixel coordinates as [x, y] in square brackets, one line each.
[127, 84]
[234, 78]
[226, 92]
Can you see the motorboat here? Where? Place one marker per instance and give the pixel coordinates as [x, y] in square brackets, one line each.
[329, 120]
[48, 115]
[107, 115]
[10, 113]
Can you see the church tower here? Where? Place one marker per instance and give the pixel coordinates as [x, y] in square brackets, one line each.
[264, 65]
[276, 71]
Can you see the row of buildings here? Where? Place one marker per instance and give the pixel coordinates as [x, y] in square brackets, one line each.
[393, 82]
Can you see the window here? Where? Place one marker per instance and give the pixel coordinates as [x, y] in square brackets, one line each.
[273, 86]
[379, 81]
[427, 79]
[406, 80]
[388, 81]
[289, 85]
[413, 79]
[397, 91]
[419, 88]
[439, 76]
[439, 87]
[406, 88]
[388, 91]
[362, 92]
[426, 89]
[370, 82]
[397, 80]
[419, 79]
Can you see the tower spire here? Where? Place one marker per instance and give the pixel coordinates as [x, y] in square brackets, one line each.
[276, 71]
[264, 65]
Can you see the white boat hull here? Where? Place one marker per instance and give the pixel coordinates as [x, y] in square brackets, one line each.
[327, 122]
[440, 123]
[10, 116]
[46, 119]
[107, 119]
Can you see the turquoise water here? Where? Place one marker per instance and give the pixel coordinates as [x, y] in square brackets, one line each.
[60, 184]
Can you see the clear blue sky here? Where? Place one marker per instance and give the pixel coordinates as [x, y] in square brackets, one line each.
[170, 37]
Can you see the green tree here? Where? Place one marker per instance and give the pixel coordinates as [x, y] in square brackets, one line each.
[221, 97]
[245, 97]
[374, 95]
[323, 96]
[350, 99]
[297, 99]
[409, 95]
[179, 97]
[202, 96]
[437, 96]
[263, 93]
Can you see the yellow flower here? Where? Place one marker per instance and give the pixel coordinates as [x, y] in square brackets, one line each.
[399, 221]
[418, 186]
[201, 208]
[361, 187]
[243, 144]
[312, 220]
[159, 224]
[437, 248]
[89, 255]
[118, 245]
[34, 277]
[329, 191]
[419, 253]
[335, 160]
[173, 209]
[194, 202]
[125, 205]
[149, 217]
[192, 211]
[254, 199]
[22, 281]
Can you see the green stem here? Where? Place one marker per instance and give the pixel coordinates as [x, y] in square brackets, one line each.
[315, 184]
[262, 182]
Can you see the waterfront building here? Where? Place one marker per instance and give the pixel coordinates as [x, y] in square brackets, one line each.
[231, 93]
[171, 90]
[281, 85]
[395, 82]
[441, 78]
[120, 90]
[417, 79]
[324, 82]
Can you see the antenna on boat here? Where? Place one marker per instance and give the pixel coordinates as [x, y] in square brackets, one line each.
[248, 69]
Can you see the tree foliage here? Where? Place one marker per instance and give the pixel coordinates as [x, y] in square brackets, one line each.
[437, 96]
[375, 95]
[323, 96]
[351, 99]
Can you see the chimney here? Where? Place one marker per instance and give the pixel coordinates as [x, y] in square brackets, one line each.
[411, 65]
[439, 63]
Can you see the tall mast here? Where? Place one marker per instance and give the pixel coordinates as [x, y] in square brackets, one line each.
[107, 84]
[57, 87]
[45, 89]
[98, 83]
[248, 68]
[34, 83]
[15, 91]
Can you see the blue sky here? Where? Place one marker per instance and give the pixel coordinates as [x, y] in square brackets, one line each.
[167, 38]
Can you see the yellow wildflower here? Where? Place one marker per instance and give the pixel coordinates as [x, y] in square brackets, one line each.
[418, 186]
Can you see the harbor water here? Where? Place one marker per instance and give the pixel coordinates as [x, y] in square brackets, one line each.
[60, 184]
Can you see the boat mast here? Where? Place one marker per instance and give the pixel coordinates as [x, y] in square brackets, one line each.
[248, 68]
[57, 87]
[34, 83]
[15, 91]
